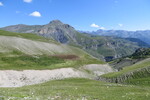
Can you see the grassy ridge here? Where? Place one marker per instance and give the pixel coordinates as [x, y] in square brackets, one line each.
[141, 64]
[74, 89]
[137, 74]
[26, 36]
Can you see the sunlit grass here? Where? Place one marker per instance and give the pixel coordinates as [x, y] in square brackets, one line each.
[73, 89]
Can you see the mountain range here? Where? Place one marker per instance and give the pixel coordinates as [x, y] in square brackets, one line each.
[102, 47]
[142, 35]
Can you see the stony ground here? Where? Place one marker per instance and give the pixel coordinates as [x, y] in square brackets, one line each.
[12, 78]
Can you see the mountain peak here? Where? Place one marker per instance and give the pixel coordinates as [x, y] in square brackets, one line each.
[55, 22]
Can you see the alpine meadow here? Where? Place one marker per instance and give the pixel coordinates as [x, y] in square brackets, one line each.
[74, 50]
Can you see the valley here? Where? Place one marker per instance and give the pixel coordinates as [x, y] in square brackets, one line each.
[74, 50]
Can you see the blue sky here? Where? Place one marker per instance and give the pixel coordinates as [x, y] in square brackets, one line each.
[84, 15]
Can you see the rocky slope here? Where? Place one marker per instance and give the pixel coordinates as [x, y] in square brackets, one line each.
[32, 47]
[12, 78]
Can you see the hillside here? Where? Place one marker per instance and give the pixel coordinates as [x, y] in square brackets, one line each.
[29, 51]
[138, 55]
[138, 74]
[134, 71]
[102, 47]
[141, 53]
[27, 59]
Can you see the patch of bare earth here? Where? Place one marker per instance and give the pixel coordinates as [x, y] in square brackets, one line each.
[12, 78]
[98, 69]
[67, 57]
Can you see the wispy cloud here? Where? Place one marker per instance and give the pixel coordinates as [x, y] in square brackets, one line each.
[27, 1]
[1, 4]
[121, 25]
[97, 26]
[102, 28]
[35, 14]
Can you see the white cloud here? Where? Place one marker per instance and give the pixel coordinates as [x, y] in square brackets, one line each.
[94, 25]
[27, 1]
[120, 25]
[1, 4]
[35, 14]
[97, 26]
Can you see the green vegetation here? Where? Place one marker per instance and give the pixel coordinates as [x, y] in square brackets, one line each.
[28, 62]
[76, 89]
[139, 81]
[19, 61]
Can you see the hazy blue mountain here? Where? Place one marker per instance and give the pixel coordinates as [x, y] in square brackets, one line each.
[142, 35]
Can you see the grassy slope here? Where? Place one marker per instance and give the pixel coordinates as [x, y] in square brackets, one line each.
[18, 61]
[140, 81]
[141, 64]
[137, 74]
[73, 89]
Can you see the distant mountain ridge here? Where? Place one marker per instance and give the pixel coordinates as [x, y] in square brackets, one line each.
[142, 35]
[102, 47]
